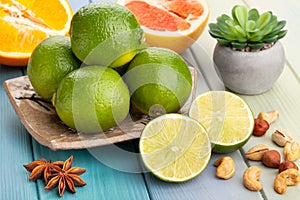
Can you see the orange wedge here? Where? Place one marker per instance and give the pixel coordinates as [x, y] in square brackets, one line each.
[25, 23]
[173, 24]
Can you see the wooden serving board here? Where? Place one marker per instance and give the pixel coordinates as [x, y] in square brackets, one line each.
[41, 121]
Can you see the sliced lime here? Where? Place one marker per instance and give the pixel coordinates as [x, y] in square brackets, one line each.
[175, 147]
[227, 118]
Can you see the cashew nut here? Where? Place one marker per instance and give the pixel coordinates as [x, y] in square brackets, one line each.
[286, 178]
[291, 151]
[269, 116]
[251, 178]
[225, 167]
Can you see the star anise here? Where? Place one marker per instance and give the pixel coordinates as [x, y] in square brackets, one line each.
[43, 168]
[67, 176]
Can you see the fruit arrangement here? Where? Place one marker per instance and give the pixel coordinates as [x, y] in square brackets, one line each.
[94, 81]
[81, 74]
[104, 69]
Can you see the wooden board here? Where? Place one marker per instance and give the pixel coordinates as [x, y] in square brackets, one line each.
[41, 121]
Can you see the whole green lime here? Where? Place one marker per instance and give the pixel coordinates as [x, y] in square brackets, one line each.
[49, 63]
[92, 99]
[159, 81]
[105, 33]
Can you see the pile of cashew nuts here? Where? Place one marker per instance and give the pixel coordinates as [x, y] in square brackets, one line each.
[288, 174]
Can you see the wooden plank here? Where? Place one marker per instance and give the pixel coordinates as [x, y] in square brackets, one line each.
[285, 10]
[206, 186]
[105, 179]
[201, 83]
[284, 97]
[15, 147]
[78, 4]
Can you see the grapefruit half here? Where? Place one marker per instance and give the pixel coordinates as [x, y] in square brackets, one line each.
[173, 24]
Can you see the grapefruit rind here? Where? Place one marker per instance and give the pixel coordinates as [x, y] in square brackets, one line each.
[175, 40]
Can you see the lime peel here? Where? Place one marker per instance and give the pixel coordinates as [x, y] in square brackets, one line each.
[227, 118]
[175, 148]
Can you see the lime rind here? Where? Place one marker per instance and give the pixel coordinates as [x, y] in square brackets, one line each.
[92, 99]
[102, 33]
[221, 114]
[49, 63]
[178, 155]
[159, 81]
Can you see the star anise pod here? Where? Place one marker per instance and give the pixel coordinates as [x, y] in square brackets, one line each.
[43, 169]
[67, 176]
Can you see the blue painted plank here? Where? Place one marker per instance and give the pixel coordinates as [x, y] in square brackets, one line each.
[107, 176]
[15, 147]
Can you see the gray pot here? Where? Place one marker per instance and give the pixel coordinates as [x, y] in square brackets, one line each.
[249, 72]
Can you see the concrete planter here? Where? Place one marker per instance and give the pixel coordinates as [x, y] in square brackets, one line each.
[249, 72]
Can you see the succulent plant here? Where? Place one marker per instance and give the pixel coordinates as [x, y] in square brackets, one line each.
[247, 28]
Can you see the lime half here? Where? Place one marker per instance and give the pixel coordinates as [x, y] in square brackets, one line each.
[175, 148]
[227, 118]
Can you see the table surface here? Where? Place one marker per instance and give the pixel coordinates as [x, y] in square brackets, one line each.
[115, 171]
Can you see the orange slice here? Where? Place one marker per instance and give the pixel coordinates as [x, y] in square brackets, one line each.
[25, 23]
[173, 24]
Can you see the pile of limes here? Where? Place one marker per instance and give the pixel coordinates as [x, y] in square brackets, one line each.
[81, 75]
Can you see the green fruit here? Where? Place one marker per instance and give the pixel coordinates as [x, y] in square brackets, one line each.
[92, 99]
[227, 118]
[106, 34]
[159, 81]
[49, 63]
[175, 148]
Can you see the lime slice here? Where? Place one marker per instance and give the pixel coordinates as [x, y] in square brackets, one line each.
[175, 147]
[227, 118]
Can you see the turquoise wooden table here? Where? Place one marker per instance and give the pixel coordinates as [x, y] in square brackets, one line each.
[115, 171]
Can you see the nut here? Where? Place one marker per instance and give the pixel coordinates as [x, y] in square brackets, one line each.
[271, 159]
[270, 117]
[281, 137]
[287, 165]
[251, 178]
[260, 127]
[291, 151]
[225, 167]
[256, 152]
[286, 178]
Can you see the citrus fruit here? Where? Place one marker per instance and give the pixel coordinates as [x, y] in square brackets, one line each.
[106, 34]
[159, 81]
[174, 24]
[175, 147]
[227, 118]
[50, 61]
[24, 24]
[92, 99]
